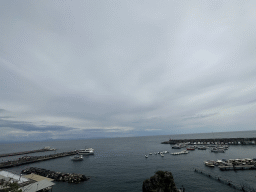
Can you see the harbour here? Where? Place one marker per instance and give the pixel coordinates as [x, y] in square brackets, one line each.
[216, 141]
[118, 164]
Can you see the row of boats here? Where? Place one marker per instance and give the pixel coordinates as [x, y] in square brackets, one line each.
[165, 152]
[230, 163]
[214, 148]
[81, 152]
[157, 153]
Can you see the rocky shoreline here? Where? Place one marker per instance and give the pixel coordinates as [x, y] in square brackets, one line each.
[160, 182]
[57, 176]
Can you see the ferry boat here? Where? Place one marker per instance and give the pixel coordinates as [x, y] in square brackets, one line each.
[89, 151]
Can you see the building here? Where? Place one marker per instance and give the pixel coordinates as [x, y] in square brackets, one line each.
[28, 183]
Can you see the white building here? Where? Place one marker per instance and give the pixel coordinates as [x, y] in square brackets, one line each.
[28, 183]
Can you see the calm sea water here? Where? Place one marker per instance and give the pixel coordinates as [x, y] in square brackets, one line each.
[119, 163]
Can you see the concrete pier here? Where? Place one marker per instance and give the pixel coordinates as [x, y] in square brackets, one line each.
[27, 152]
[226, 141]
[33, 159]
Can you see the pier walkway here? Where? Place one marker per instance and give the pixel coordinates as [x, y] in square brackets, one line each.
[33, 159]
[226, 181]
[26, 152]
[226, 141]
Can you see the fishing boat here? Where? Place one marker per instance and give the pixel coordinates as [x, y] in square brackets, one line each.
[190, 149]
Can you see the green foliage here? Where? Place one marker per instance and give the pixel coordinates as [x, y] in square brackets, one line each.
[161, 181]
[11, 187]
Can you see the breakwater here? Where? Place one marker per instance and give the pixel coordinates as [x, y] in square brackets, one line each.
[57, 176]
[27, 152]
[227, 141]
[33, 159]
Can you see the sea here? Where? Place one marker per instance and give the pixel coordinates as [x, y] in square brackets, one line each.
[119, 164]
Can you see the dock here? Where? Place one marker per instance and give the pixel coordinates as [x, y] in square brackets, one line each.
[216, 141]
[33, 159]
[27, 152]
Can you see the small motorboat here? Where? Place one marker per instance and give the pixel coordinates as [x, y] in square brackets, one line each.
[77, 158]
[201, 148]
[146, 156]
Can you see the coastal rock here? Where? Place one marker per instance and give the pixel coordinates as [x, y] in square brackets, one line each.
[162, 181]
[57, 176]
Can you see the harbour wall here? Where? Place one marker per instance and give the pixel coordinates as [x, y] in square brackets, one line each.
[227, 141]
[25, 152]
[33, 159]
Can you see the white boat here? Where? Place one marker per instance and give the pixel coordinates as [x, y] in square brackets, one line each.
[77, 158]
[176, 146]
[146, 156]
[209, 163]
[216, 150]
[89, 151]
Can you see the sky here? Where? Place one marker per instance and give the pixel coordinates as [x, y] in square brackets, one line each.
[86, 69]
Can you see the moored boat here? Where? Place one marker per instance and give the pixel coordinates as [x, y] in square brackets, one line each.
[176, 146]
[217, 150]
[191, 149]
[209, 163]
[201, 148]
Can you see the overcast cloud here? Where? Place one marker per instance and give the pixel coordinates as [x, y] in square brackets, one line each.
[82, 69]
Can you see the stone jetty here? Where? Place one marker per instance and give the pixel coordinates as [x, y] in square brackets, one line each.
[27, 152]
[226, 141]
[33, 159]
[57, 176]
